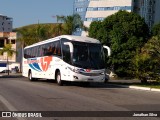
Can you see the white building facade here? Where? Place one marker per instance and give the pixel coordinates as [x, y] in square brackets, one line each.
[97, 10]
[8, 37]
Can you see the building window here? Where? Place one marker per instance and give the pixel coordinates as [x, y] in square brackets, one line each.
[90, 9]
[79, 9]
[80, 0]
[89, 19]
[7, 41]
[101, 9]
[1, 43]
[127, 7]
[100, 19]
[116, 8]
[109, 8]
[13, 41]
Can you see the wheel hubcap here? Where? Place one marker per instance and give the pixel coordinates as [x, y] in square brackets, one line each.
[58, 78]
[30, 76]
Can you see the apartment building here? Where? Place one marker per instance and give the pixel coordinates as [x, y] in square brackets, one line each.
[5, 23]
[148, 9]
[97, 10]
[7, 37]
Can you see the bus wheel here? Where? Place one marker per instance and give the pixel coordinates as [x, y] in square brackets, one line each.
[58, 79]
[30, 76]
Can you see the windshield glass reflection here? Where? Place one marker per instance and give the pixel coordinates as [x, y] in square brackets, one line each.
[88, 55]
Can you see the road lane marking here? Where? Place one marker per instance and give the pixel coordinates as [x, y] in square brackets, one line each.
[9, 106]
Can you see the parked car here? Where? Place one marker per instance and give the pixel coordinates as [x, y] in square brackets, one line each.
[5, 71]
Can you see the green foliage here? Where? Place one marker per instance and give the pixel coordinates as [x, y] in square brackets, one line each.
[146, 63]
[70, 23]
[35, 33]
[39, 32]
[124, 32]
[7, 49]
[156, 30]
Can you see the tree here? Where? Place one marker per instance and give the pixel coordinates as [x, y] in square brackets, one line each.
[156, 30]
[70, 23]
[146, 63]
[124, 32]
[7, 49]
[58, 29]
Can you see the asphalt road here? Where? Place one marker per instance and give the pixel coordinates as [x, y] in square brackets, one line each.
[19, 94]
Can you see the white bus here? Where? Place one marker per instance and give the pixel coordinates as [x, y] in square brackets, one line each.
[65, 58]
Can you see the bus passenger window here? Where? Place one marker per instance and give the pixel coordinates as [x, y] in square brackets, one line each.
[49, 50]
[59, 51]
[54, 50]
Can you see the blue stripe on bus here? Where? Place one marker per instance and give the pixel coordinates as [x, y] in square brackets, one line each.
[32, 67]
[37, 66]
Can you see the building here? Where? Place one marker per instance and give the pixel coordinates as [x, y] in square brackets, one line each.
[5, 24]
[97, 10]
[149, 10]
[7, 37]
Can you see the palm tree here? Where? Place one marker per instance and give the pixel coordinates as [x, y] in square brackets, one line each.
[70, 23]
[58, 30]
[7, 49]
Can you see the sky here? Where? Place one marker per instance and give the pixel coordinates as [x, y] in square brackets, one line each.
[26, 12]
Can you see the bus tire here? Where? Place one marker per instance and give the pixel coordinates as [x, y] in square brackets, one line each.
[58, 79]
[30, 76]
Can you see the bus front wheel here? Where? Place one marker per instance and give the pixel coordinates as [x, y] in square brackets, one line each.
[58, 79]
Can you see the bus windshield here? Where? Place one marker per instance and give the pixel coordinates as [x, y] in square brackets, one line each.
[88, 55]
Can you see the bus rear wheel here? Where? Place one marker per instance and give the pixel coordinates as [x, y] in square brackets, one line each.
[58, 79]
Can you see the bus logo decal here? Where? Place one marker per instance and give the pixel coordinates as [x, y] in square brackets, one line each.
[42, 62]
[45, 62]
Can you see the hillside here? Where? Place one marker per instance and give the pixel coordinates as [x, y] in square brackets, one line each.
[38, 32]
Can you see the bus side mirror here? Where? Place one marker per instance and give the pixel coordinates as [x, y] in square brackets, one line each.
[70, 46]
[108, 49]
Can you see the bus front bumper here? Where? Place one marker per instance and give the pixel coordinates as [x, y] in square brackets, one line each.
[82, 78]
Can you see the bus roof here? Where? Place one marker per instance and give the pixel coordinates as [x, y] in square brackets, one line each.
[80, 38]
[69, 37]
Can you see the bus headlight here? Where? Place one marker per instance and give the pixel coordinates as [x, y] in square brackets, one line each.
[76, 70]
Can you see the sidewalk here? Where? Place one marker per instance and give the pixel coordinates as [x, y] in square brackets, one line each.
[125, 84]
[11, 75]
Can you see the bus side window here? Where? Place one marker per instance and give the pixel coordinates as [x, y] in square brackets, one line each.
[40, 51]
[36, 51]
[49, 50]
[25, 53]
[29, 53]
[58, 49]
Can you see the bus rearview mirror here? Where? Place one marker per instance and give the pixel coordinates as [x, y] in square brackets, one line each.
[70, 46]
[108, 49]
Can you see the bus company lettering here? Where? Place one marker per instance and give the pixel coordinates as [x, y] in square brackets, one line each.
[35, 64]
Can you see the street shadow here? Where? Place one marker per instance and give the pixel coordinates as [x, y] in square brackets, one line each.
[83, 84]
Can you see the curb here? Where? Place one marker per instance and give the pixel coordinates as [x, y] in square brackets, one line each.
[145, 88]
[138, 88]
[10, 76]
